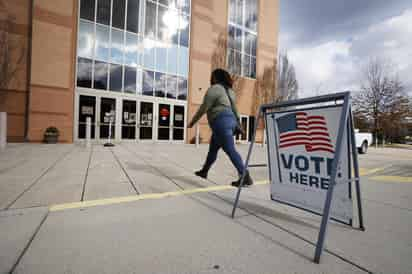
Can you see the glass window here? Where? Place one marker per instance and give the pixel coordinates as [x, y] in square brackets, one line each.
[102, 43]
[246, 65]
[160, 84]
[130, 79]
[85, 40]
[87, 8]
[162, 24]
[131, 57]
[242, 37]
[84, 73]
[150, 20]
[253, 68]
[100, 75]
[238, 39]
[251, 14]
[184, 31]
[239, 12]
[231, 37]
[182, 89]
[116, 77]
[148, 82]
[172, 58]
[184, 5]
[133, 15]
[232, 11]
[171, 87]
[183, 61]
[103, 12]
[149, 54]
[139, 81]
[119, 11]
[164, 2]
[161, 57]
[238, 60]
[117, 46]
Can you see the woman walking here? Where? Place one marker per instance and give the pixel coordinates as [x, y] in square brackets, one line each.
[223, 117]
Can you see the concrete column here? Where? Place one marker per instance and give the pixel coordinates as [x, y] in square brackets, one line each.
[88, 131]
[3, 130]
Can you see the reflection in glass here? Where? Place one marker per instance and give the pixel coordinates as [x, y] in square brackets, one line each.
[150, 20]
[129, 79]
[85, 40]
[148, 82]
[84, 73]
[117, 46]
[160, 84]
[87, 9]
[116, 77]
[100, 75]
[238, 59]
[133, 16]
[182, 83]
[102, 43]
[246, 65]
[238, 39]
[239, 12]
[172, 59]
[184, 5]
[253, 68]
[184, 31]
[251, 14]
[232, 11]
[129, 120]
[231, 60]
[139, 81]
[231, 37]
[183, 61]
[171, 87]
[161, 57]
[103, 12]
[162, 24]
[118, 16]
[149, 54]
[132, 50]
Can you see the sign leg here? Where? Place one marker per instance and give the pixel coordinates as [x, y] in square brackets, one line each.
[246, 165]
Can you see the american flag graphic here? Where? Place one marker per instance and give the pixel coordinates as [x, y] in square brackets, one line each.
[299, 128]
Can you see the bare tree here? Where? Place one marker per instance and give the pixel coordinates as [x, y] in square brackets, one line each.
[287, 83]
[12, 51]
[382, 99]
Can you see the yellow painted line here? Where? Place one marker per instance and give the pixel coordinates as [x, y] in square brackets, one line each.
[149, 196]
[393, 179]
[364, 171]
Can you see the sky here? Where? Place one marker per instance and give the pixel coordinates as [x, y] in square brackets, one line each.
[330, 42]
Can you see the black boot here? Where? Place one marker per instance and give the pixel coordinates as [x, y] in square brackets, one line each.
[202, 173]
[246, 182]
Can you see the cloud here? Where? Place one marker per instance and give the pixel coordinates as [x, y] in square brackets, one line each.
[335, 65]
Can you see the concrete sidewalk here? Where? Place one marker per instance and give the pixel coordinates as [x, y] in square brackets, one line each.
[189, 231]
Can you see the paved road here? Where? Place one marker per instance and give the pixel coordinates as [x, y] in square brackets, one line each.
[139, 209]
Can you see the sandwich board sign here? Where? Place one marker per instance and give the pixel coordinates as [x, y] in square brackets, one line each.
[311, 153]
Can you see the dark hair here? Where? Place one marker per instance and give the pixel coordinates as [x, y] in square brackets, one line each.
[222, 77]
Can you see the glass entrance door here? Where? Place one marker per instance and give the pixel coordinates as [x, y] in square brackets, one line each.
[107, 116]
[146, 121]
[163, 125]
[87, 108]
[244, 122]
[129, 120]
[178, 123]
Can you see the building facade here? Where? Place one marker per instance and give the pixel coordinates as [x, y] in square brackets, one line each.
[138, 67]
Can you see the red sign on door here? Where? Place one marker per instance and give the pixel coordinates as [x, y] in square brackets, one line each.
[164, 112]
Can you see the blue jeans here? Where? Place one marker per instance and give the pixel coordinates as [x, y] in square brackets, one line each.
[222, 137]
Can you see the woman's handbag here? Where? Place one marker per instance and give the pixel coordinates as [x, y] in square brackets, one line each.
[238, 129]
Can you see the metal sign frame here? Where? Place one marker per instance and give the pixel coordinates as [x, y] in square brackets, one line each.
[346, 120]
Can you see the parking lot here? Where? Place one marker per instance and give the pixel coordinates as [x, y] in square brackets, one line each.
[138, 208]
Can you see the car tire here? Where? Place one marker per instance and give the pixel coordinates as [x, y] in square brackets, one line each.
[364, 148]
